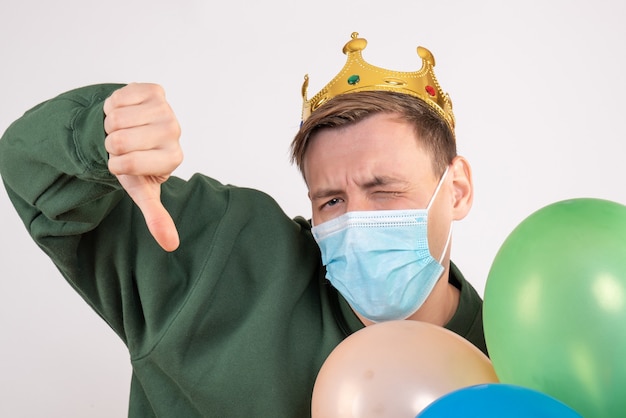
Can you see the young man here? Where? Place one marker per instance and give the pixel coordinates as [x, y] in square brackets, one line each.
[237, 315]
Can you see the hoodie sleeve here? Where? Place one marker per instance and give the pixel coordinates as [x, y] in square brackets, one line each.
[54, 167]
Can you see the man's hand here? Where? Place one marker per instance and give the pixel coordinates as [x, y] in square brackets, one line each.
[143, 145]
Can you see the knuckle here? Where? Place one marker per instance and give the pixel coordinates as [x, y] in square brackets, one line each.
[114, 99]
[174, 128]
[157, 89]
[112, 165]
[163, 108]
[153, 90]
[115, 143]
[114, 121]
[177, 156]
[127, 165]
[121, 165]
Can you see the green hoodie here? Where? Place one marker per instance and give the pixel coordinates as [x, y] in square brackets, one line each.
[235, 323]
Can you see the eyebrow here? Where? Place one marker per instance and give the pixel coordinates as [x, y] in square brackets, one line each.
[383, 181]
[324, 193]
[376, 181]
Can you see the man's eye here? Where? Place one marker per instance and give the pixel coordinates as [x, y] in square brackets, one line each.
[387, 193]
[332, 202]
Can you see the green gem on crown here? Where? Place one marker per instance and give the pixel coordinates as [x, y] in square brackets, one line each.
[353, 79]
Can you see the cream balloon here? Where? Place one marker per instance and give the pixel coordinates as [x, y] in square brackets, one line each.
[396, 369]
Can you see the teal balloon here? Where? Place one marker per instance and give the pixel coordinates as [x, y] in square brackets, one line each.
[555, 306]
[497, 400]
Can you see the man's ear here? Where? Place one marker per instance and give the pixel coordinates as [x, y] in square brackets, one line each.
[462, 186]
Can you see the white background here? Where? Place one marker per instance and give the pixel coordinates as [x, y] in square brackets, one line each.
[537, 86]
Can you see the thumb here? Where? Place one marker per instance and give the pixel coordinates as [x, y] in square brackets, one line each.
[147, 197]
[160, 224]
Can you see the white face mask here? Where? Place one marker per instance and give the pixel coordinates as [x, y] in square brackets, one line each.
[380, 260]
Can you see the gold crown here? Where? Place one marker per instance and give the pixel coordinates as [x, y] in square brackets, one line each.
[358, 75]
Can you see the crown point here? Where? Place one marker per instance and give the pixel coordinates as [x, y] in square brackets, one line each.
[305, 86]
[355, 44]
[426, 55]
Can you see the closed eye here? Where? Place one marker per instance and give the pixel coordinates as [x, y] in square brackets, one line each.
[387, 193]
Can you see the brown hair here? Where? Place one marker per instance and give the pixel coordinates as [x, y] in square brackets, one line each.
[432, 130]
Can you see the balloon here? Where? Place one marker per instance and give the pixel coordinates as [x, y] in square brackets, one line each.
[394, 369]
[555, 305]
[497, 400]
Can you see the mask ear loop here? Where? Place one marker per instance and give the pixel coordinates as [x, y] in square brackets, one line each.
[432, 199]
[445, 247]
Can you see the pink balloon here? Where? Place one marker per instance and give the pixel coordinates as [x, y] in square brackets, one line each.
[396, 369]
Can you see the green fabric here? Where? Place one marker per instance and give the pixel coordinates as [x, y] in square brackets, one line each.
[235, 323]
[467, 320]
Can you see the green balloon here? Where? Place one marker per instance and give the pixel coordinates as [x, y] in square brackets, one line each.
[555, 306]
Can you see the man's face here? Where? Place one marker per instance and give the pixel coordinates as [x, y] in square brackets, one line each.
[376, 164]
